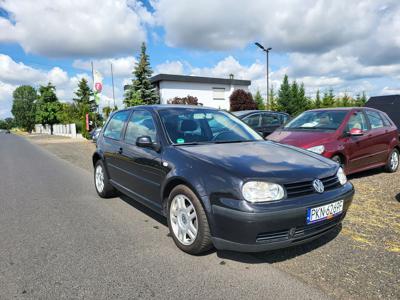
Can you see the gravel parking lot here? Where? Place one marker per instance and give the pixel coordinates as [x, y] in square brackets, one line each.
[360, 261]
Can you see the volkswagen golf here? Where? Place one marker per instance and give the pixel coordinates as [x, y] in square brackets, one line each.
[217, 181]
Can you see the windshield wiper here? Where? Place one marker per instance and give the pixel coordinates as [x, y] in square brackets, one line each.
[239, 141]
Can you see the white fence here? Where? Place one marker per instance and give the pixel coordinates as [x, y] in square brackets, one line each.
[58, 129]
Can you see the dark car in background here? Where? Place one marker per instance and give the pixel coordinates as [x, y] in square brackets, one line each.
[357, 138]
[263, 121]
[217, 181]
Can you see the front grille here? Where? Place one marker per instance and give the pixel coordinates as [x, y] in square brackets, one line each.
[305, 187]
[299, 233]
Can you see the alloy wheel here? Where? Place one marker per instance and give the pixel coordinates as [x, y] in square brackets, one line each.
[99, 178]
[394, 160]
[184, 220]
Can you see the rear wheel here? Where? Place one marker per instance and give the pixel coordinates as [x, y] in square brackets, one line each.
[187, 221]
[393, 161]
[101, 182]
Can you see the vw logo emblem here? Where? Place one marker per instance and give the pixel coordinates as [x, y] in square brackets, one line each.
[318, 186]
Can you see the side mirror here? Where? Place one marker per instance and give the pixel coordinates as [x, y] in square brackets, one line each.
[146, 142]
[356, 132]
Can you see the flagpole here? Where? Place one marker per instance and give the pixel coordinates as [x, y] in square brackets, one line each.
[112, 80]
[95, 115]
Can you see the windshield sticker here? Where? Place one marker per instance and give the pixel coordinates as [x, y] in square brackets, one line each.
[180, 141]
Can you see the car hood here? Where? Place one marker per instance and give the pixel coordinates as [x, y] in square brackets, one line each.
[302, 139]
[263, 160]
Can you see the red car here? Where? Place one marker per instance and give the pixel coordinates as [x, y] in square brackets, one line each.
[358, 138]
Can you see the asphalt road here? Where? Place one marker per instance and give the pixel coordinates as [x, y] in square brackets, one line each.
[59, 240]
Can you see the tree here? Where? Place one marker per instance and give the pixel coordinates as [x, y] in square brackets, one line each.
[272, 105]
[328, 99]
[134, 99]
[300, 101]
[317, 103]
[7, 123]
[141, 84]
[189, 100]
[85, 104]
[346, 100]
[48, 106]
[363, 99]
[284, 96]
[259, 100]
[107, 110]
[242, 100]
[23, 108]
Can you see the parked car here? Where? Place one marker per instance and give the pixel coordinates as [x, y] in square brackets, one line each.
[217, 181]
[263, 121]
[357, 138]
[94, 134]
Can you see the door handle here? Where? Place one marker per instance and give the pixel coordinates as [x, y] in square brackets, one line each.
[120, 150]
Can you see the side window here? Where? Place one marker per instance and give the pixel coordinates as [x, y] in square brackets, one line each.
[385, 119]
[253, 120]
[116, 124]
[357, 121]
[141, 123]
[284, 119]
[374, 119]
[270, 120]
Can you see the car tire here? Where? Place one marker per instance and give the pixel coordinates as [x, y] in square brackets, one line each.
[101, 182]
[393, 161]
[338, 159]
[187, 221]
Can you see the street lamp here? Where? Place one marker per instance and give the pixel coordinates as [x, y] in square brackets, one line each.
[267, 52]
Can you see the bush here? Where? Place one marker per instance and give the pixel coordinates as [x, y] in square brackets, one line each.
[242, 100]
[189, 100]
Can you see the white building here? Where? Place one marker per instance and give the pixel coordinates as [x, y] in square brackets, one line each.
[212, 92]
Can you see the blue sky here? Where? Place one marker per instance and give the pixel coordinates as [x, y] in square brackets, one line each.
[348, 46]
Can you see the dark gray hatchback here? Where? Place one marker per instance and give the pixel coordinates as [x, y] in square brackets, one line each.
[217, 181]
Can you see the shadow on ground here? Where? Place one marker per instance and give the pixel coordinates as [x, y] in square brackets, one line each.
[367, 173]
[249, 258]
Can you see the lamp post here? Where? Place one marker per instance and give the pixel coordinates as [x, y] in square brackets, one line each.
[266, 50]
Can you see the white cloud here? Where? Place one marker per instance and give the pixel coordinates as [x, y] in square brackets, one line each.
[289, 25]
[75, 27]
[230, 65]
[170, 67]
[122, 67]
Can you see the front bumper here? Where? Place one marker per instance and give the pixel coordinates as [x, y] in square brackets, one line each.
[274, 225]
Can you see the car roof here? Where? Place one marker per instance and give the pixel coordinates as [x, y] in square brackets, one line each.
[241, 113]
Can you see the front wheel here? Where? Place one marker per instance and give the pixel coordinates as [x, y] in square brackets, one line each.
[393, 161]
[187, 221]
[103, 186]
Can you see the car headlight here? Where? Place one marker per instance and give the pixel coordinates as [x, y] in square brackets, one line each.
[259, 191]
[341, 176]
[317, 149]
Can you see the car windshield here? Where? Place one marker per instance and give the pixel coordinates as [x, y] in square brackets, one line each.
[197, 126]
[317, 120]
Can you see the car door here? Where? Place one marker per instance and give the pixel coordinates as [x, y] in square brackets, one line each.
[142, 166]
[379, 137]
[254, 121]
[269, 122]
[112, 145]
[357, 148]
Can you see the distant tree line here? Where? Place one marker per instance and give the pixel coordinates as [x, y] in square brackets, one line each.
[42, 106]
[291, 98]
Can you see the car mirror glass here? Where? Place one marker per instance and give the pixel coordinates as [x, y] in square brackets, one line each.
[356, 132]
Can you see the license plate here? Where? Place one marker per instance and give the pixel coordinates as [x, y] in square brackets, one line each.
[324, 212]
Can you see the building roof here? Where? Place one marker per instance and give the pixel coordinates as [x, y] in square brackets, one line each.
[390, 104]
[197, 79]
